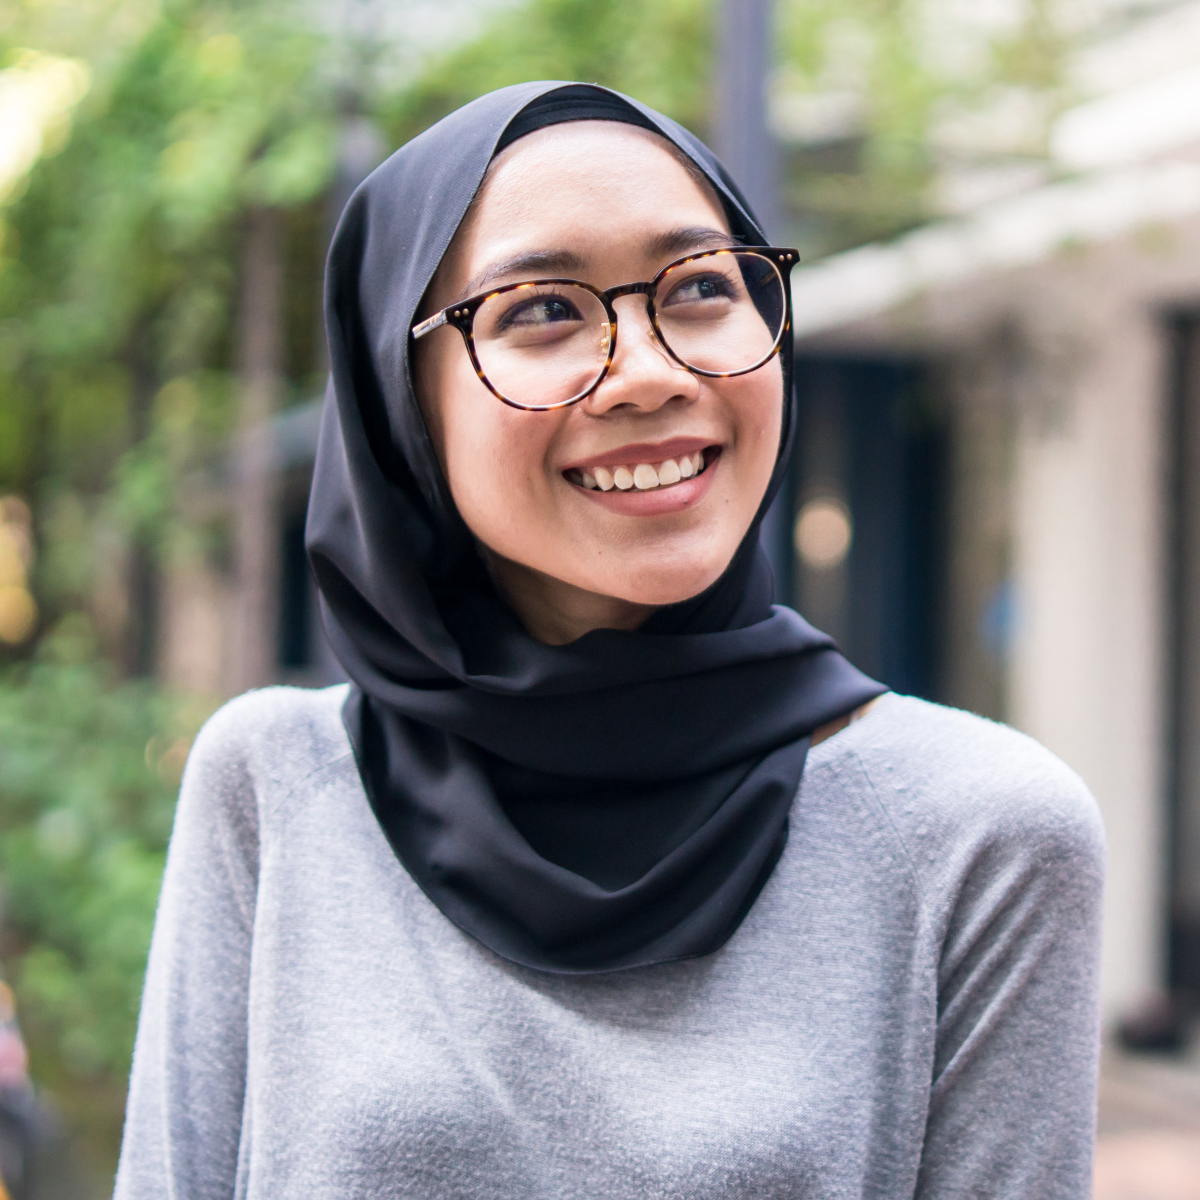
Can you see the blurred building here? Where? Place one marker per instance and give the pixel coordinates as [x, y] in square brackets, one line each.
[998, 484]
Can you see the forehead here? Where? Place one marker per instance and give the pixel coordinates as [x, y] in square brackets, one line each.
[585, 181]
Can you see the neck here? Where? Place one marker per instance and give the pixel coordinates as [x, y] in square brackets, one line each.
[555, 612]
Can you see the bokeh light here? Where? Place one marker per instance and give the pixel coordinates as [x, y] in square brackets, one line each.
[824, 533]
[18, 609]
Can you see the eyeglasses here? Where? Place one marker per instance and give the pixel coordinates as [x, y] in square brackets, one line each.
[547, 343]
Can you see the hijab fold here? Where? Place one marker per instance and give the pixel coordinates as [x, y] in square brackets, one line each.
[612, 803]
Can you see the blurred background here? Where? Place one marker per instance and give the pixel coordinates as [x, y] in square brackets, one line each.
[994, 500]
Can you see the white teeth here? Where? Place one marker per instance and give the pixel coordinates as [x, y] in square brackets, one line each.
[642, 476]
[645, 477]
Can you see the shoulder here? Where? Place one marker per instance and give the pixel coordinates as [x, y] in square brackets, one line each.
[270, 738]
[960, 791]
[251, 754]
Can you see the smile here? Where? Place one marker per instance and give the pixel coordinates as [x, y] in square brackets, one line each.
[640, 477]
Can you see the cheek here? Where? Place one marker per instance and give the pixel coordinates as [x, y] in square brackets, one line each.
[494, 460]
[757, 404]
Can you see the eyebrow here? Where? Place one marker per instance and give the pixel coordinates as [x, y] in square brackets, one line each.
[538, 261]
[676, 242]
[671, 244]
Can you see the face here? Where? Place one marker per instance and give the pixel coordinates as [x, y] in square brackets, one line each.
[609, 204]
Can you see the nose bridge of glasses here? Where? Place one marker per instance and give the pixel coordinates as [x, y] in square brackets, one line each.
[628, 289]
[632, 289]
[646, 324]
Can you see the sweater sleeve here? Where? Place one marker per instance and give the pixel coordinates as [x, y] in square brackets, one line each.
[184, 1113]
[1012, 1102]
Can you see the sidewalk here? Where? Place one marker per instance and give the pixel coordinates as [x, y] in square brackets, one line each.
[1149, 1132]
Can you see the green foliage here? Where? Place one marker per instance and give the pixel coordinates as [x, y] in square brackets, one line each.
[88, 771]
[888, 61]
[660, 53]
[119, 274]
[119, 262]
[870, 180]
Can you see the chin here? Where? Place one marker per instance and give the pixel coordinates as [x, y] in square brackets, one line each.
[661, 583]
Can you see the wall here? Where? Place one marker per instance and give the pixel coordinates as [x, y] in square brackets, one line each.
[1086, 676]
[1058, 375]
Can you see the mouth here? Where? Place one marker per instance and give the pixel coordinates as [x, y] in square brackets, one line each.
[644, 476]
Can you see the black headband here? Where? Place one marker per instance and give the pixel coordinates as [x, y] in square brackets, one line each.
[579, 103]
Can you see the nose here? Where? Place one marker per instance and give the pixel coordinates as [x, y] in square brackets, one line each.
[643, 375]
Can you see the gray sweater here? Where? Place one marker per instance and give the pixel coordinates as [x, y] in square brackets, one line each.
[909, 1010]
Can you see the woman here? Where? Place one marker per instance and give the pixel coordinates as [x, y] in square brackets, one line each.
[533, 909]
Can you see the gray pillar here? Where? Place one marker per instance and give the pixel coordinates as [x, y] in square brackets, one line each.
[256, 499]
[742, 138]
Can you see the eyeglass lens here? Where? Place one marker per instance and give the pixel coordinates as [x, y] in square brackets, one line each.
[542, 345]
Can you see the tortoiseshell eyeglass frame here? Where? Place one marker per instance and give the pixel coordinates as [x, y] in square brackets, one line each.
[462, 317]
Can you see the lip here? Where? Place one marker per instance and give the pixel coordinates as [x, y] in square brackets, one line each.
[643, 452]
[656, 502]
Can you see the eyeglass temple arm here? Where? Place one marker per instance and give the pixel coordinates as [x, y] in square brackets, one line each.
[429, 324]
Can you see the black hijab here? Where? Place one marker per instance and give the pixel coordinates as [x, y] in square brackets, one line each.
[612, 803]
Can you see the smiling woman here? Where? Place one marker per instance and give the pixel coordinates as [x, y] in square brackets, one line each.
[553, 899]
[622, 404]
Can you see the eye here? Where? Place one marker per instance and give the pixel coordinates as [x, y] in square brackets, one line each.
[539, 311]
[701, 289]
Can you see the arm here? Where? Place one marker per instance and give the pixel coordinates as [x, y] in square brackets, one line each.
[184, 1114]
[1012, 1103]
